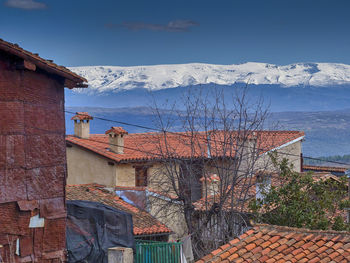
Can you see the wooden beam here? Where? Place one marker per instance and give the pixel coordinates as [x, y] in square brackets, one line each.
[25, 64]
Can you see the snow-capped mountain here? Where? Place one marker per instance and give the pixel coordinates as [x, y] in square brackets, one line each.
[157, 77]
[320, 88]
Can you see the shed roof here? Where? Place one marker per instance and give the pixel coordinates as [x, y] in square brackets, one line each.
[144, 223]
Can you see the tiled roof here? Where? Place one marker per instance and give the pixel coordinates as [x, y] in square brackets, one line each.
[325, 168]
[149, 146]
[267, 243]
[46, 65]
[116, 130]
[144, 223]
[82, 116]
[323, 176]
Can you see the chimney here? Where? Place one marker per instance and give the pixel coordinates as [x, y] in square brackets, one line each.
[210, 185]
[82, 125]
[116, 139]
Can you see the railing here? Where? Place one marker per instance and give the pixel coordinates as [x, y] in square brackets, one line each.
[157, 252]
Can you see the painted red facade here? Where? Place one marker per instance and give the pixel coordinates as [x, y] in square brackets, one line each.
[32, 157]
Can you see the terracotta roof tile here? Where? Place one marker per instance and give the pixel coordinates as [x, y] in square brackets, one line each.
[116, 130]
[148, 146]
[82, 116]
[278, 245]
[325, 168]
[144, 223]
[46, 65]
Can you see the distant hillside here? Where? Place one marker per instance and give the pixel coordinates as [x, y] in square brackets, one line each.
[329, 160]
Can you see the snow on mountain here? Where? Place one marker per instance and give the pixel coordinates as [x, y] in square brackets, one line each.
[157, 77]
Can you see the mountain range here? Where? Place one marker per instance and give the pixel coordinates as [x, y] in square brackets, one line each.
[158, 77]
[313, 97]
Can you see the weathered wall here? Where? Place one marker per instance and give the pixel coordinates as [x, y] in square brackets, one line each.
[169, 214]
[86, 167]
[125, 175]
[291, 152]
[32, 163]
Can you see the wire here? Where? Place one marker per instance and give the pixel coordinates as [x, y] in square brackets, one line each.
[182, 134]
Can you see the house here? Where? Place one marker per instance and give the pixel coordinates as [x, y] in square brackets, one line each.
[145, 226]
[136, 163]
[32, 155]
[335, 170]
[117, 158]
[269, 243]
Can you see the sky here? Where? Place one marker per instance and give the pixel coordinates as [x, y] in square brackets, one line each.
[149, 32]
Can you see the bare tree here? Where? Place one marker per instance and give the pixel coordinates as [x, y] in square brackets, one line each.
[206, 157]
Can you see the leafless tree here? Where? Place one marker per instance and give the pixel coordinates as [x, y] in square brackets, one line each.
[206, 157]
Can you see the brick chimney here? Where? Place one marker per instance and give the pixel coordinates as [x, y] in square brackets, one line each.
[82, 124]
[116, 139]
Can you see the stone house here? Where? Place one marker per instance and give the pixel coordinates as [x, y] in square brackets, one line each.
[117, 158]
[32, 155]
[135, 163]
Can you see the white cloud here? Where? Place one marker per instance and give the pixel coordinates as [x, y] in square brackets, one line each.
[25, 4]
[172, 26]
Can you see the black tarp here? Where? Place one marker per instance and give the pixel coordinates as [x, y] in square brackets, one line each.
[92, 228]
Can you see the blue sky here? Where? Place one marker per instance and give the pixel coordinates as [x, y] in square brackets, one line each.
[146, 32]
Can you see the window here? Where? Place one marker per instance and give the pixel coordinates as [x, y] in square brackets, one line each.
[263, 186]
[141, 176]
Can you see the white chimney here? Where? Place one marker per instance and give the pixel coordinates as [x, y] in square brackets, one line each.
[82, 125]
[116, 139]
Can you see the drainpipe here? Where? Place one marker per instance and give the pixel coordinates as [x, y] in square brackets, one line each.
[301, 162]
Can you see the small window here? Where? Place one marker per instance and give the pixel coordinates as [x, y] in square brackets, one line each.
[141, 176]
[263, 185]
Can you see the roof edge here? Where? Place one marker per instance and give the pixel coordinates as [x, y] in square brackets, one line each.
[74, 80]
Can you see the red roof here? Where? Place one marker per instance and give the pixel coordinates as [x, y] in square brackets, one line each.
[267, 243]
[144, 223]
[151, 146]
[325, 168]
[82, 116]
[46, 65]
